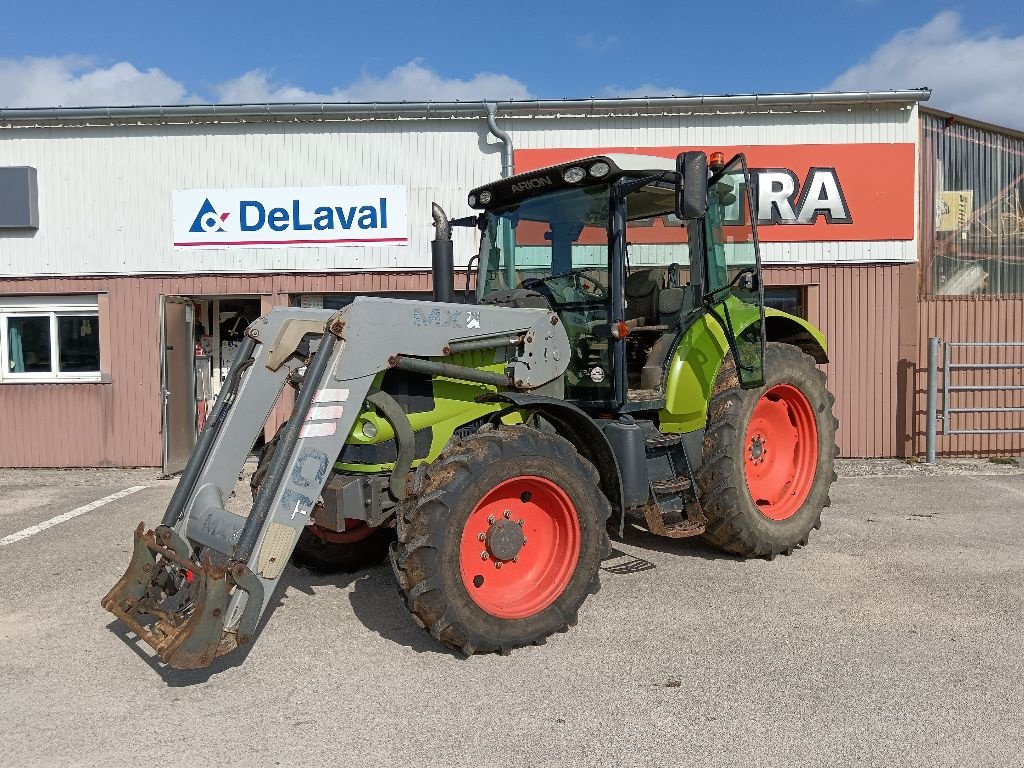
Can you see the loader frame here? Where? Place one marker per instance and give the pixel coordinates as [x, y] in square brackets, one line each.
[197, 585]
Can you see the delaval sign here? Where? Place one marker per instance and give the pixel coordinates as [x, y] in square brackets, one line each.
[290, 217]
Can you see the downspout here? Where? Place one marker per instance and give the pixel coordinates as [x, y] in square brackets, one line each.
[504, 138]
[507, 243]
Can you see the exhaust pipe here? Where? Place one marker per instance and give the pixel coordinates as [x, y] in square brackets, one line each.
[442, 256]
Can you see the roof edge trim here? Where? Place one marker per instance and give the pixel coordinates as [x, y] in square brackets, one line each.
[439, 109]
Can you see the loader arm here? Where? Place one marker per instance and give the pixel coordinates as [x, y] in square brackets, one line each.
[198, 584]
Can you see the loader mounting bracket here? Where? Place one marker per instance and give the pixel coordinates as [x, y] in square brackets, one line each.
[179, 606]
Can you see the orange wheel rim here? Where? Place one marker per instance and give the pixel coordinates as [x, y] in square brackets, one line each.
[780, 452]
[519, 547]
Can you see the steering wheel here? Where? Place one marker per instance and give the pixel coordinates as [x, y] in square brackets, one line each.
[584, 284]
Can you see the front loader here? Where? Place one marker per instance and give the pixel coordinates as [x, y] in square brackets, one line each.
[615, 369]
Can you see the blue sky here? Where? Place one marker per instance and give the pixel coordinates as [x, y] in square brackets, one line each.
[64, 52]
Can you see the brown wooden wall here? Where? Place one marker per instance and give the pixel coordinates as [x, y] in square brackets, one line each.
[858, 308]
[876, 327]
[118, 423]
[974, 318]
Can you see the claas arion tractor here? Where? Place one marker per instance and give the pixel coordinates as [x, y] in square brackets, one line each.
[615, 368]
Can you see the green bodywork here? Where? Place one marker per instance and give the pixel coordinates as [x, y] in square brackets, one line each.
[692, 370]
[693, 367]
[454, 406]
[721, 241]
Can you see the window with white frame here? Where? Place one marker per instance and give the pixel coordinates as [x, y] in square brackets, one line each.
[49, 339]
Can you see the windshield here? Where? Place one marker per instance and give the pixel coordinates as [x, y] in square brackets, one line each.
[557, 246]
[546, 238]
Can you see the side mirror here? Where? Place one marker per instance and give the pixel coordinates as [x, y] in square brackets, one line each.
[692, 187]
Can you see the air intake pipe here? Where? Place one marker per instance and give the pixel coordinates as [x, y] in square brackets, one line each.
[442, 256]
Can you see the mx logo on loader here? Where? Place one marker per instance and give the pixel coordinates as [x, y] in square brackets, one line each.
[456, 319]
[208, 220]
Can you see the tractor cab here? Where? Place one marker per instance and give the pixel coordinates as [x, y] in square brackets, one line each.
[630, 251]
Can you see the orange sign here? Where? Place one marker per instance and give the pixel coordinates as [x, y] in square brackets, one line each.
[803, 192]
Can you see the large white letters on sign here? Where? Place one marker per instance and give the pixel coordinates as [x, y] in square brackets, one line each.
[288, 217]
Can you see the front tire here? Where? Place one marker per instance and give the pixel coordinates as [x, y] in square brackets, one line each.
[502, 539]
[769, 456]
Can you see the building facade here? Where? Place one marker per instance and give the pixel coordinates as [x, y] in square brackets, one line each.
[151, 220]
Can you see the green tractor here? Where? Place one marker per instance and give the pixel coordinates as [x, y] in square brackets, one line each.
[615, 368]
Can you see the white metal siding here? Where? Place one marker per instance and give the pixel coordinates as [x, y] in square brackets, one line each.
[105, 192]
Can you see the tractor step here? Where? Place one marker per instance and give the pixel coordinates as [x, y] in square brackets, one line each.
[664, 440]
[680, 529]
[671, 485]
[673, 509]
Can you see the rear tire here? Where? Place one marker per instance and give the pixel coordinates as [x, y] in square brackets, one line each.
[324, 551]
[769, 456]
[474, 576]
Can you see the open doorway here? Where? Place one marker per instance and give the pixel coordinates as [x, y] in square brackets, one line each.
[201, 336]
[220, 328]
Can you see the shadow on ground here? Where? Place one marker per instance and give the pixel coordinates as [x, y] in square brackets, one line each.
[376, 602]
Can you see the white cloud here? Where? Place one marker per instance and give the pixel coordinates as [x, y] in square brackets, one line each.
[78, 81]
[408, 82]
[978, 75]
[640, 91]
[590, 41]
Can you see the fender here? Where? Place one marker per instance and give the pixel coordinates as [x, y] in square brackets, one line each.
[578, 428]
[790, 329]
[694, 364]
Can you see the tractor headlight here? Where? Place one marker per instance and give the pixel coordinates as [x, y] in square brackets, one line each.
[484, 198]
[599, 169]
[369, 429]
[472, 201]
[573, 175]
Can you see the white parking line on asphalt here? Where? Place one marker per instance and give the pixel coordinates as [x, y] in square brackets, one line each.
[69, 515]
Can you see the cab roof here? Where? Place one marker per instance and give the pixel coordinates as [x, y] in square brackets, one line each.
[524, 185]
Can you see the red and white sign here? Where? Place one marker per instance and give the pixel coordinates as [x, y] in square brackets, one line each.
[805, 192]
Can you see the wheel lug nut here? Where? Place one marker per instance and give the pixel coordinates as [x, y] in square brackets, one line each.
[520, 521]
[515, 559]
[490, 519]
[481, 536]
[483, 555]
[497, 563]
[524, 541]
[508, 514]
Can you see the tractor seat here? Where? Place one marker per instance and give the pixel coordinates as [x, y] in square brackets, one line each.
[673, 305]
[641, 292]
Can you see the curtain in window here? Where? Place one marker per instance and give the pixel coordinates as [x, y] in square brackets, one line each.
[14, 353]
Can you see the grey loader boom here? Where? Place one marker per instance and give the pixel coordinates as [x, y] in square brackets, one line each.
[198, 584]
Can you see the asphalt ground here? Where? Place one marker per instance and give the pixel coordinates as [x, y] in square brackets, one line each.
[894, 639]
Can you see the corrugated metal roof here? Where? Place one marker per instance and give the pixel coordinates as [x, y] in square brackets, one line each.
[273, 112]
[953, 118]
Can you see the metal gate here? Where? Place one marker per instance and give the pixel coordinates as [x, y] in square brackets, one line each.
[956, 394]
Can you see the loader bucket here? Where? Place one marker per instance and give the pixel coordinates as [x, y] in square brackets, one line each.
[179, 607]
